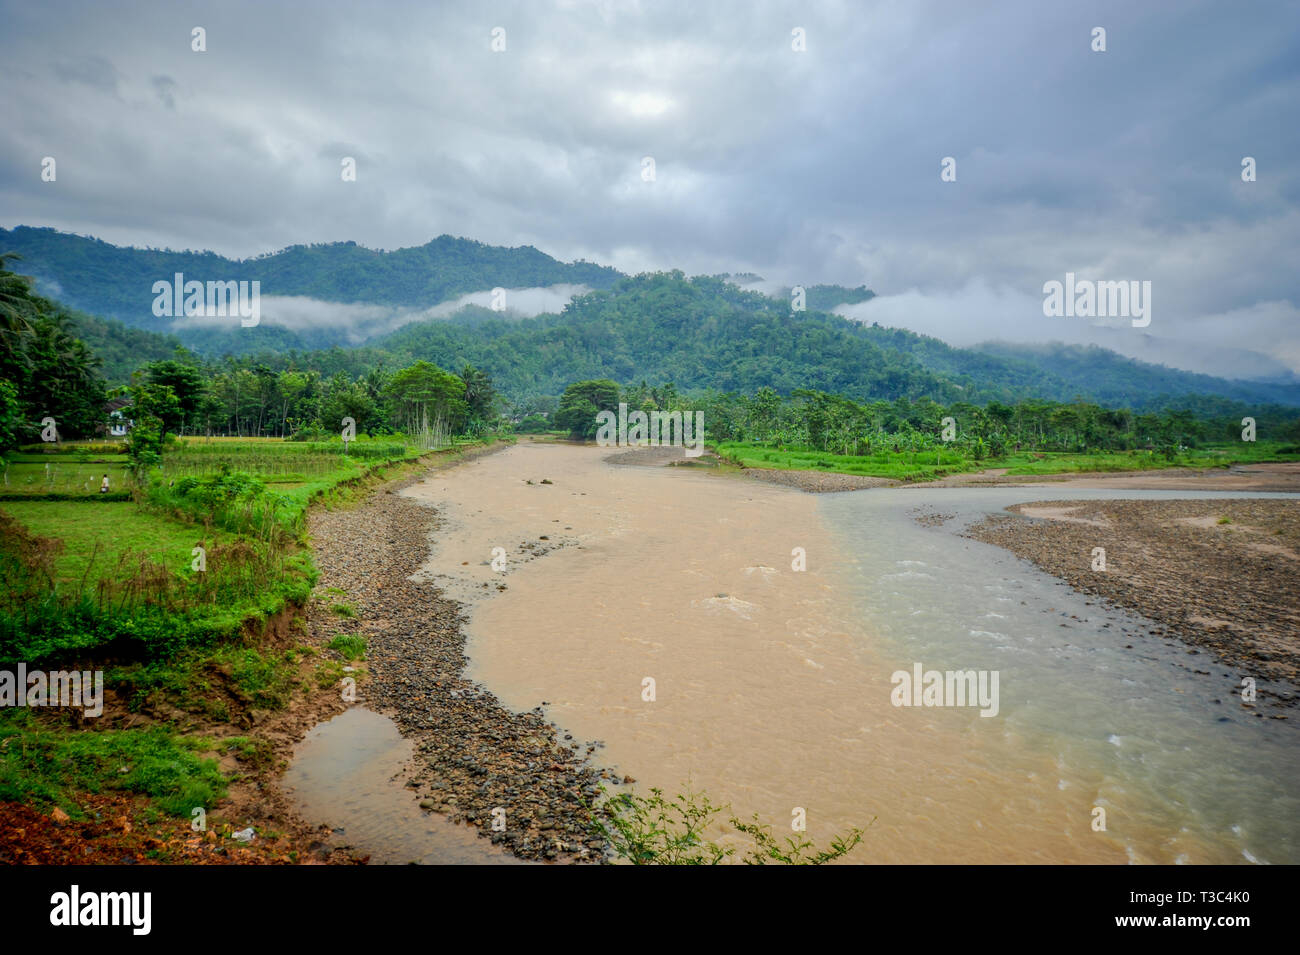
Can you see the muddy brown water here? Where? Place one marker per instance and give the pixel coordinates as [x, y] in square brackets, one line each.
[349, 773]
[772, 687]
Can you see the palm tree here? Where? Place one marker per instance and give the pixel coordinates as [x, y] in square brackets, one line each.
[16, 305]
[17, 313]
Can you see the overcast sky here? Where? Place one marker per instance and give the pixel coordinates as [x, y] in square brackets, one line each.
[805, 167]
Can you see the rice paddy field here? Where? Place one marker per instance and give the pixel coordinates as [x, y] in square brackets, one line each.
[83, 540]
[77, 469]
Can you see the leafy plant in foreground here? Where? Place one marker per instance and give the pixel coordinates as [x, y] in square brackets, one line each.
[654, 830]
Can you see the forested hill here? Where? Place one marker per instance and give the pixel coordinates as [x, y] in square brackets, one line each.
[700, 333]
[704, 333]
[1059, 371]
[121, 349]
[1118, 381]
[117, 282]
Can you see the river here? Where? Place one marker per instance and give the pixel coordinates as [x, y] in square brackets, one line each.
[772, 686]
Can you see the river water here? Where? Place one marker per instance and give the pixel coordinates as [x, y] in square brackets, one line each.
[772, 686]
[1182, 778]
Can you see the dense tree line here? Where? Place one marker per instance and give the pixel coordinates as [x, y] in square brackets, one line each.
[46, 372]
[233, 399]
[838, 425]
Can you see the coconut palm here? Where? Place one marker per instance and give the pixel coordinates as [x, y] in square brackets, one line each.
[16, 306]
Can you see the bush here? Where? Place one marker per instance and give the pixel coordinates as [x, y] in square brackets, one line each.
[533, 424]
[652, 830]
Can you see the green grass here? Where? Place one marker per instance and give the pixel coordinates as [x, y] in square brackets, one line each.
[328, 673]
[350, 646]
[46, 766]
[195, 658]
[924, 465]
[104, 531]
[205, 682]
[34, 474]
[904, 466]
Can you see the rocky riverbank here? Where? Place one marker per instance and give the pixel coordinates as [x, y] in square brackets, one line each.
[1221, 575]
[473, 755]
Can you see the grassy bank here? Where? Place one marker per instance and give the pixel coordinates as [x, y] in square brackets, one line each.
[943, 461]
[194, 656]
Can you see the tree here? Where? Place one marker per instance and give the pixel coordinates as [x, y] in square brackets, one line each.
[17, 309]
[480, 398]
[187, 384]
[347, 399]
[290, 385]
[156, 403]
[11, 419]
[580, 404]
[427, 402]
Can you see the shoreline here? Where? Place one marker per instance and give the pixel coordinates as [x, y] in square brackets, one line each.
[469, 747]
[471, 753]
[1220, 575]
[1267, 477]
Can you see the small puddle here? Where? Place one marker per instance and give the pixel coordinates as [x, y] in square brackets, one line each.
[348, 774]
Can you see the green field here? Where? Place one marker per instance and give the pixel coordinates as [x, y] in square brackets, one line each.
[31, 475]
[109, 583]
[929, 465]
[99, 536]
[81, 569]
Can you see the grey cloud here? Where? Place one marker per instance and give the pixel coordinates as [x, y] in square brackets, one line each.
[93, 70]
[165, 87]
[300, 313]
[816, 167]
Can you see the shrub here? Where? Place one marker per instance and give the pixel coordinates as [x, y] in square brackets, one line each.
[350, 646]
[652, 830]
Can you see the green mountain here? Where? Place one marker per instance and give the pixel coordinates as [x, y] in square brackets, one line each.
[704, 333]
[122, 349]
[701, 333]
[1115, 380]
[104, 279]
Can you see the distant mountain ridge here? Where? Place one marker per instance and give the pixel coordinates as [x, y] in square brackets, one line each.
[701, 333]
[116, 282]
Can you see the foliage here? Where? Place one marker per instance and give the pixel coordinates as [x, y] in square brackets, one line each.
[653, 830]
[796, 850]
[50, 372]
[350, 646]
[46, 766]
[580, 404]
